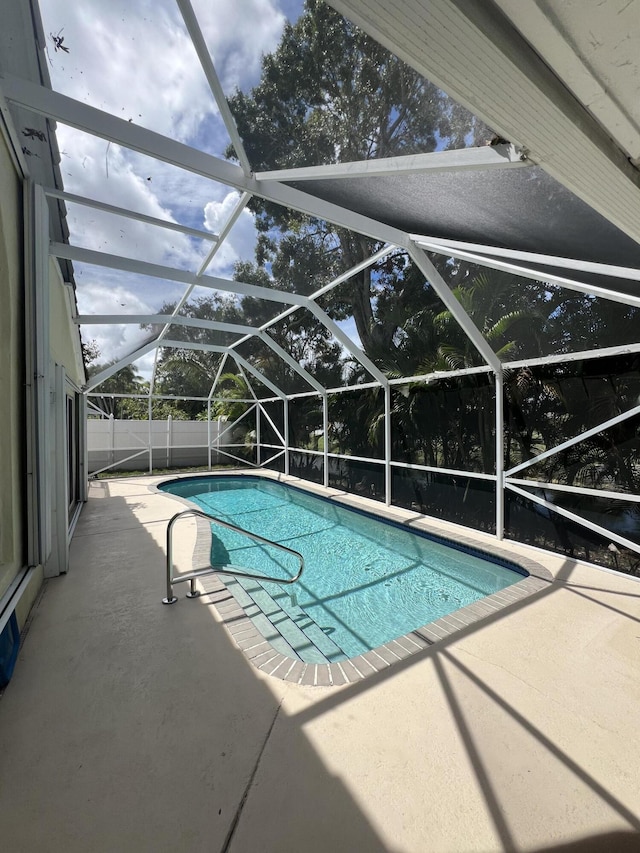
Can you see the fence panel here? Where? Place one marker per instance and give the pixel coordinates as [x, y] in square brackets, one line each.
[123, 445]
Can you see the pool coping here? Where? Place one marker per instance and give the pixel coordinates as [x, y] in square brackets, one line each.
[263, 656]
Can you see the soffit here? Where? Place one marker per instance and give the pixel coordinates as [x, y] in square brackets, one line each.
[476, 54]
[594, 48]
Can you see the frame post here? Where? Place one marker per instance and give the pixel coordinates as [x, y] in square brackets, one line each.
[285, 402]
[499, 454]
[325, 438]
[258, 437]
[387, 445]
[149, 410]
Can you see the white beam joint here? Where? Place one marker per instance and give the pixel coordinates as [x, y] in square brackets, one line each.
[58, 107]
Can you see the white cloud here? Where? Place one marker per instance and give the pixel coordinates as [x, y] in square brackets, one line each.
[238, 33]
[116, 340]
[241, 242]
[135, 60]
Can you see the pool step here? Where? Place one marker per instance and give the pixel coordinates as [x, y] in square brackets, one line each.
[291, 632]
[261, 620]
[311, 628]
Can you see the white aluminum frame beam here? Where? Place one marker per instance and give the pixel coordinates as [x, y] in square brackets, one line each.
[242, 362]
[238, 358]
[345, 276]
[224, 233]
[89, 256]
[53, 105]
[575, 440]
[194, 323]
[103, 259]
[578, 519]
[275, 428]
[290, 361]
[453, 472]
[499, 451]
[200, 45]
[348, 344]
[99, 378]
[625, 497]
[51, 192]
[536, 275]
[145, 396]
[231, 220]
[230, 424]
[221, 366]
[502, 156]
[160, 319]
[427, 378]
[381, 253]
[248, 384]
[531, 257]
[451, 303]
[579, 355]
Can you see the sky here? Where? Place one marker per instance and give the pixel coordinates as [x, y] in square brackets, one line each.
[134, 59]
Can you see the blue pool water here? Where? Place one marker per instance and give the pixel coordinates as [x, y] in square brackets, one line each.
[366, 581]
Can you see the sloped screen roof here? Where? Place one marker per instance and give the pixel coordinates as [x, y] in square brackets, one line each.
[523, 209]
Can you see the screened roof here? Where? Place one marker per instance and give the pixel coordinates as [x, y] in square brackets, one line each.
[517, 208]
[465, 204]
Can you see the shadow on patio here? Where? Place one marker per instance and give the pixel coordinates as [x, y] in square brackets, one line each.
[130, 726]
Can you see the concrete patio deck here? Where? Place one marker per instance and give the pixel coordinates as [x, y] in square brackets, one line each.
[129, 726]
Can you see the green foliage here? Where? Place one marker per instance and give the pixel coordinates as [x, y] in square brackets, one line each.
[126, 381]
[231, 391]
[329, 94]
[90, 352]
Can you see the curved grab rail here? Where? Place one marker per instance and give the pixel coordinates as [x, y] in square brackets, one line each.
[220, 570]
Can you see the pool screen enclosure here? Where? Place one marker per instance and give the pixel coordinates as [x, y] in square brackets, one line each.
[515, 429]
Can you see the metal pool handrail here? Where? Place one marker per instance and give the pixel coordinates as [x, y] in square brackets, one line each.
[223, 569]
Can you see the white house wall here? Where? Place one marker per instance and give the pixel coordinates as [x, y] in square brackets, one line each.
[63, 333]
[20, 581]
[11, 376]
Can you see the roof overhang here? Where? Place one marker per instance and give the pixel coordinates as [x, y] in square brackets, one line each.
[526, 87]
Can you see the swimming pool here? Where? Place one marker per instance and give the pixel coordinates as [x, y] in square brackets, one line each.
[366, 580]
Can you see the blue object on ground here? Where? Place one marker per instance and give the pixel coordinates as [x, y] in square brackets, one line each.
[9, 644]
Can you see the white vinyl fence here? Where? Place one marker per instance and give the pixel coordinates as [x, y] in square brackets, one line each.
[128, 445]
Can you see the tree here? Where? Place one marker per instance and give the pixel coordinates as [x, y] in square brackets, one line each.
[306, 340]
[128, 381]
[331, 94]
[90, 352]
[191, 372]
